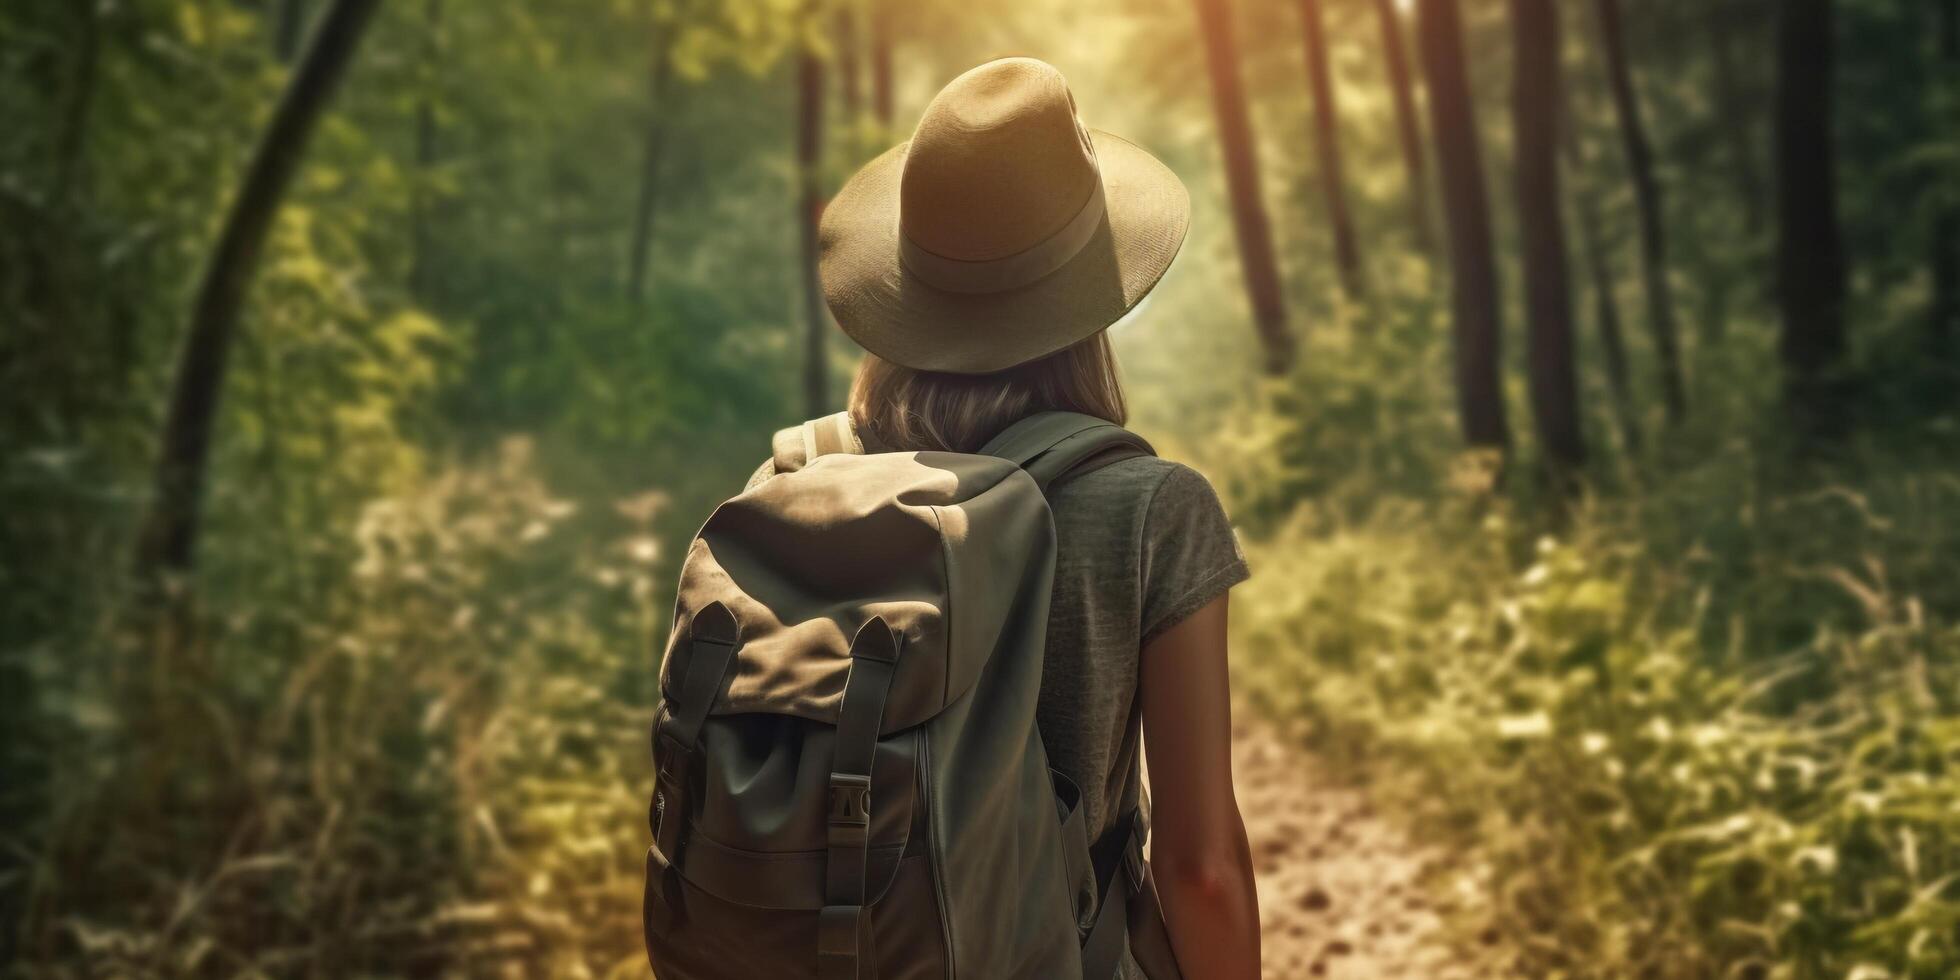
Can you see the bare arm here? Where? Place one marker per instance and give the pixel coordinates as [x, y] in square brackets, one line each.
[1198, 849]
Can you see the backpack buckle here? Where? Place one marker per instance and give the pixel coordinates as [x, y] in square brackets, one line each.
[850, 800]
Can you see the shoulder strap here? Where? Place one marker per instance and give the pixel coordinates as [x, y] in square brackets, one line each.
[793, 448]
[1054, 445]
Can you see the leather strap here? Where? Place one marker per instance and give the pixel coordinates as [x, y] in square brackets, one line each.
[842, 927]
[711, 649]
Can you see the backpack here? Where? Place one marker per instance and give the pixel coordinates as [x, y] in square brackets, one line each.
[849, 780]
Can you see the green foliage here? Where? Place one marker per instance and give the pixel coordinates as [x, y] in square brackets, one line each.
[1687, 734]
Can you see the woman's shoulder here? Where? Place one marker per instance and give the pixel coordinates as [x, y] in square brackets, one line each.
[1151, 482]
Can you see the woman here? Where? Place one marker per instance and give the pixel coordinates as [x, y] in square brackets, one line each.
[980, 265]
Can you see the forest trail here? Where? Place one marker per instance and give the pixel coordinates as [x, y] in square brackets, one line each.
[1342, 889]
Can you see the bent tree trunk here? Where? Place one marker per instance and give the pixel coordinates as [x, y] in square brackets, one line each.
[1406, 124]
[1249, 222]
[1327, 145]
[809, 155]
[1473, 280]
[1548, 298]
[1810, 268]
[167, 541]
[1647, 198]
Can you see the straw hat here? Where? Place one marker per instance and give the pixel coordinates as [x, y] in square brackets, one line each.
[1002, 232]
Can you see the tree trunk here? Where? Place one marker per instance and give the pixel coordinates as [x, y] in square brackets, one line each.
[1242, 180]
[1473, 279]
[1946, 224]
[1548, 297]
[849, 78]
[425, 158]
[288, 29]
[1647, 197]
[1732, 103]
[167, 542]
[1327, 146]
[654, 142]
[1406, 123]
[881, 62]
[77, 103]
[1606, 309]
[1810, 265]
[809, 156]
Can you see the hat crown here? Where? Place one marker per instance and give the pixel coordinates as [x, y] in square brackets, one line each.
[998, 165]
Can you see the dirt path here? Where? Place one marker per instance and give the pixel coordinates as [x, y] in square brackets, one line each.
[1342, 890]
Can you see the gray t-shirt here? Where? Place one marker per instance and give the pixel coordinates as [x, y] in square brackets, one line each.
[1141, 544]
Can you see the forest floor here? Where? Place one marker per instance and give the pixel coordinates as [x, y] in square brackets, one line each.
[1344, 891]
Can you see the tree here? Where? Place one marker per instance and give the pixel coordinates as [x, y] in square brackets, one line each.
[167, 542]
[809, 160]
[1606, 309]
[881, 62]
[652, 144]
[1327, 145]
[1810, 266]
[1548, 299]
[849, 78]
[1946, 221]
[1406, 124]
[1725, 19]
[1242, 181]
[1647, 199]
[1473, 279]
[425, 155]
[288, 28]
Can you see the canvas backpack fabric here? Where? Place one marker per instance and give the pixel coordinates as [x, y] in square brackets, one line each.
[850, 784]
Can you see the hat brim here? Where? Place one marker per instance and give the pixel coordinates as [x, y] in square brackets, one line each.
[895, 315]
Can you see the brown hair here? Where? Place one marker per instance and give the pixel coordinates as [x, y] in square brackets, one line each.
[907, 410]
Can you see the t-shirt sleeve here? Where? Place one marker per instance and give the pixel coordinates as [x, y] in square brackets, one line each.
[1189, 555]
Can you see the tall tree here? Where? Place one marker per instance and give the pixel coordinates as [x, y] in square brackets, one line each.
[1473, 279]
[1242, 181]
[167, 541]
[1726, 18]
[1647, 198]
[1406, 124]
[809, 166]
[1810, 266]
[849, 78]
[881, 61]
[1535, 112]
[653, 143]
[77, 101]
[425, 153]
[1946, 221]
[1606, 308]
[288, 28]
[1327, 145]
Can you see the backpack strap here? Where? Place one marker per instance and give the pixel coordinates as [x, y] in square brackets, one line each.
[793, 448]
[1051, 446]
[842, 933]
[1119, 877]
[714, 637]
